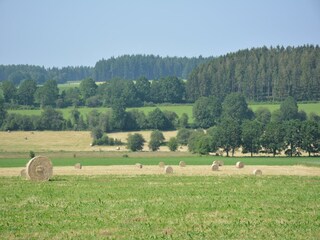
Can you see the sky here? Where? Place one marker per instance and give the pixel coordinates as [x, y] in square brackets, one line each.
[57, 33]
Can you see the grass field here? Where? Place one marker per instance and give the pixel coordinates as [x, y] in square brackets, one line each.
[161, 207]
[179, 109]
[154, 160]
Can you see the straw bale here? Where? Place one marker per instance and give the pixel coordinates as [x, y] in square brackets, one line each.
[257, 172]
[78, 166]
[215, 167]
[168, 170]
[182, 164]
[239, 164]
[39, 168]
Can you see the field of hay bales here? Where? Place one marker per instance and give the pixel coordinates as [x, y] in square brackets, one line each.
[161, 207]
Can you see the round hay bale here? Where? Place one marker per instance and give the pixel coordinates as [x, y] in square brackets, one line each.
[239, 164]
[257, 172]
[139, 165]
[78, 166]
[23, 173]
[168, 170]
[219, 162]
[161, 164]
[215, 167]
[39, 168]
[182, 164]
[118, 148]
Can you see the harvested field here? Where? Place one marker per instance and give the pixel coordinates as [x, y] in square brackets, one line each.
[178, 171]
[58, 141]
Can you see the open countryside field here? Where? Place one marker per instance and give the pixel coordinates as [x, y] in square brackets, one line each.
[161, 207]
[179, 109]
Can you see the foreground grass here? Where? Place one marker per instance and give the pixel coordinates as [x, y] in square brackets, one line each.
[169, 160]
[160, 207]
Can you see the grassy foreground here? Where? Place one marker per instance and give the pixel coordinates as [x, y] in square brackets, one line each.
[160, 207]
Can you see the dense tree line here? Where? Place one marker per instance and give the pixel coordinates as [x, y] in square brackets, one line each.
[236, 126]
[118, 91]
[128, 67]
[132, 67]
[19, 73]
[261, 74]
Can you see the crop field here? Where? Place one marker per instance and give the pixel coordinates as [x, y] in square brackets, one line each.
[179, 109]
[161, 207]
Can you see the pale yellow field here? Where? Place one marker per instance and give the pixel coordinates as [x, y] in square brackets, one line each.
[74, 141]
[177, 171]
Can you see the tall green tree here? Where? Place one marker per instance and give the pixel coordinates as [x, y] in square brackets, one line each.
[157, 120]
[3, 111]
[289, 109]
[310, 137]
[143, 89]
[47, 95]
[273, 137]
[9, 91]
[51, 119]
[26, 92]
[156, 139]
[292, 136]
[251, 132]
[88, 88]
[227, 135]
[135, 142]
[206, 111]
[235, 107]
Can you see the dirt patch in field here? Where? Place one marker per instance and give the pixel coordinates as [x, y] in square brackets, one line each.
[177, 171]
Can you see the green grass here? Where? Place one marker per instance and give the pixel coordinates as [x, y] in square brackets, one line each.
[190, 160]
[179, 109]
[160, 207]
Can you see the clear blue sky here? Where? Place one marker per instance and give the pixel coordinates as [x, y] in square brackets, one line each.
[81, 32]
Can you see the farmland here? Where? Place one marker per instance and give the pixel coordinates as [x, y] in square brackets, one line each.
[179, 109]
[161, 207]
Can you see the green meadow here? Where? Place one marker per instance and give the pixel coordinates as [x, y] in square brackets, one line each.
[160, 207]
[154, 160]
[179, 109]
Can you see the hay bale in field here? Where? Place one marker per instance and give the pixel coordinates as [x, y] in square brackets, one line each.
[78, 166]
[168, 170]
[23, 173]
[161, 164]
[182, 164]
[257, 172]
[39, 169]
[239, 164]
[139, 165]
[219, 162]
[118, 148]
[215, 167]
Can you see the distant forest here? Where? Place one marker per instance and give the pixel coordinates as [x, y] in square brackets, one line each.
[261, 74]
[127, 67]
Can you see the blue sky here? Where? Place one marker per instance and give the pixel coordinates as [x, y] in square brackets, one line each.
[81, 32]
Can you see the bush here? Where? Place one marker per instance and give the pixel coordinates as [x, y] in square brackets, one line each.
[173, 144]
[32, 154]
[135, 142]
[156, 139]
[183, 136]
